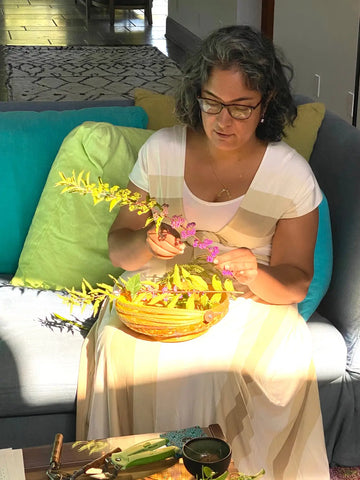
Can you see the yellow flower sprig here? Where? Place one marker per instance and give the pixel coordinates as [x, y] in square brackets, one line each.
[89, 295]
[188, 286]
[114, 195]
[185, 286]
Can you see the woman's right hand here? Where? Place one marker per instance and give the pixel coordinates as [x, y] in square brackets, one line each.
[164, 243]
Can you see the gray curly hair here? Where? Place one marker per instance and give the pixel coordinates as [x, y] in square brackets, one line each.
[244, 48]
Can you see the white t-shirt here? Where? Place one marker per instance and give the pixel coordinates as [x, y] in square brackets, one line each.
[284, 186]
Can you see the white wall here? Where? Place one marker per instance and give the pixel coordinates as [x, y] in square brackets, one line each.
[319, 37]
[200, 17]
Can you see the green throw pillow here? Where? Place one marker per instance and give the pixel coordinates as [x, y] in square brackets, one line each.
[67, 240]
[29, 142]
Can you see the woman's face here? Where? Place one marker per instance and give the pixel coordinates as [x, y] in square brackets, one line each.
[223, 131]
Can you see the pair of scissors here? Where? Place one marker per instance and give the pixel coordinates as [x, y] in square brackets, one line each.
[142, 453]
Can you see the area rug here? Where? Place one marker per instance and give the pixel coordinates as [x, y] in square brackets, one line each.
[46, 73]
[345, 473]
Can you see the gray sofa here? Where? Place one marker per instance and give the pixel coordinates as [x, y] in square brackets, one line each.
[39, 355]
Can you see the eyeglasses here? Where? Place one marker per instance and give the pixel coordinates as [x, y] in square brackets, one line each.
[238, 112]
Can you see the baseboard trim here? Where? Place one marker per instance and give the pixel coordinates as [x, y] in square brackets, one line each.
[181, 36]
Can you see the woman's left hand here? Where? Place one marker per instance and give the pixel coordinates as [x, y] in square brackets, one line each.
[241, 262]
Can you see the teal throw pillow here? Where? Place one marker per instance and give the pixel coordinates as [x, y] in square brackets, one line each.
[29, 142]
[323, 262]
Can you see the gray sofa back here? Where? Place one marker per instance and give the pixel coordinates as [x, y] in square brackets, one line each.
[336, 163]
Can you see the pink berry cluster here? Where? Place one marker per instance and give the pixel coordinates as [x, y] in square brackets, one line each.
[189, 230]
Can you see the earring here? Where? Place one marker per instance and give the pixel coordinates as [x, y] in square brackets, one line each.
[262, 120]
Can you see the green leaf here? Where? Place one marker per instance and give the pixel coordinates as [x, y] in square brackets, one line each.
[184, 272]
[148, 221]
[174, 301]
[198, 283]
[207, 472]
[154, 285]
[133, 284]
[216, 283]
[228, 285]
[158, 298]
[123, 299]
[216, 298]
[80, 176]
[190, 303]
[140, 297]
[176, 277]
[86, 284]
[243, 476]
[204, 300]
[112, 204]
[158, 223]
[96, 306]
[223, 476]
[105, 286]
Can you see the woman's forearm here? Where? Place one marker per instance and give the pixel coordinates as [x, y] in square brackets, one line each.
[128, 249]
[281, 284]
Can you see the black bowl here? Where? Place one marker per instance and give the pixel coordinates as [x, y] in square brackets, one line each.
[210, 452]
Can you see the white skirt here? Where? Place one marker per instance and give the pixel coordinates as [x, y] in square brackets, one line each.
[252, 373]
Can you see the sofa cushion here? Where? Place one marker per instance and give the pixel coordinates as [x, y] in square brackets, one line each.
[67, 240]
[335, 162]
[323, 261]
[160, 108]
[330, 355]
[29, 142]
[39, 354]
[302, 135]
[34, 430]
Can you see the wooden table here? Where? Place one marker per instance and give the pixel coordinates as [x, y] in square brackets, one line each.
[36, 459]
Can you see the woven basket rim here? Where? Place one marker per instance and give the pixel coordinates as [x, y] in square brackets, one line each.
[170, 324]
[128, 308]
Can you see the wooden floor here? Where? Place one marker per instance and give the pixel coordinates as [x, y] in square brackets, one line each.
[63, 22]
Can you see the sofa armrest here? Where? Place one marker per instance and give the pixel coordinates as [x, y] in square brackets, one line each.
[335, 161]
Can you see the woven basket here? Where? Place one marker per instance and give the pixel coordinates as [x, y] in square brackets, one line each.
[170, 324]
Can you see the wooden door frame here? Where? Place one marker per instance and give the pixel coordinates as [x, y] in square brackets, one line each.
[267, 17]
[357, 83]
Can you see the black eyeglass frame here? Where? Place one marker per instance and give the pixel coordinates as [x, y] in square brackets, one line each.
[227, 105]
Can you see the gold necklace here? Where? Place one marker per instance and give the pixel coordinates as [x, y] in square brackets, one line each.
[224, 190]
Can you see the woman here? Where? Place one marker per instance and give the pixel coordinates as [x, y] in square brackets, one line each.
[225, 169]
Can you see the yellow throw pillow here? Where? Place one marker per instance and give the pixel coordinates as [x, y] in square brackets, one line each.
[302, 136]
[160, 108]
